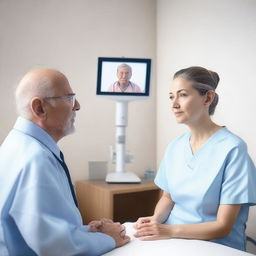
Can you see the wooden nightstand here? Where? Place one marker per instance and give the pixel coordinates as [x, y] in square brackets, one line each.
[119, 202]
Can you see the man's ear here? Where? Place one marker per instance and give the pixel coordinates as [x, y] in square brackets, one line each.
[209, 98]
[38, 108]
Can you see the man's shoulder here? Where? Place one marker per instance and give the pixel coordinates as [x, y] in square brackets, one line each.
[25, 157]
[134, 85]
[24, 146]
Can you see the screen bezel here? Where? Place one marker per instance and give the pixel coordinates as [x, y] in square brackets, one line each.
[101, 61]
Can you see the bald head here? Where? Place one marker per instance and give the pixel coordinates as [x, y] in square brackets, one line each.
[37, 83]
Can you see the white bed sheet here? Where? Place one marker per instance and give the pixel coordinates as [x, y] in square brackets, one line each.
[173, 247]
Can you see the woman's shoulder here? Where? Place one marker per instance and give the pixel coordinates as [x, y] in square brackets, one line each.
[231, 139]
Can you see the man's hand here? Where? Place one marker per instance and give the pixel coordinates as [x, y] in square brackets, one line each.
[117, 231]
[95, 225]
[113, 229]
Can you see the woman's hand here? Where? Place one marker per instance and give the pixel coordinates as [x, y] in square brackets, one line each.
[152, 230]
[143, 220]
[221, 227]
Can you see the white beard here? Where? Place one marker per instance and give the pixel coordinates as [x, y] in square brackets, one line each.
[70, 127]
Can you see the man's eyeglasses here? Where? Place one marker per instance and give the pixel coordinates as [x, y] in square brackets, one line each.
[71, 97]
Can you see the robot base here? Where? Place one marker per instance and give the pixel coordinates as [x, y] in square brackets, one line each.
[122, 177]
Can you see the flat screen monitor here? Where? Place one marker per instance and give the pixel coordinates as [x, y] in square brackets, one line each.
[123, 76]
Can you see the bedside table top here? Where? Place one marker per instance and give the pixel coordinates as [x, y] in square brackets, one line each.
[120, 188]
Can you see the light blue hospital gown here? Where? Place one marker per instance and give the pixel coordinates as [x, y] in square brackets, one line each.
[37, 211]
[221, 172]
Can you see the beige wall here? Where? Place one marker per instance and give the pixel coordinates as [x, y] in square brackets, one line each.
[221, 36]
[70, 36]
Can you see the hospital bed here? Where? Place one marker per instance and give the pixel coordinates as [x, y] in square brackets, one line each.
[173, 247]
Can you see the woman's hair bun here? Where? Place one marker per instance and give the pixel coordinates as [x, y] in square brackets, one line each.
[215, 78]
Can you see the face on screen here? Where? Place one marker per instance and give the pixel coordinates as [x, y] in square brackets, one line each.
[124, 75]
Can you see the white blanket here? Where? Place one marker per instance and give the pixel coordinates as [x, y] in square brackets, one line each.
[173, 247]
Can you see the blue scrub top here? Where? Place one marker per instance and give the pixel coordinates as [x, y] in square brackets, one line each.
[220, 172]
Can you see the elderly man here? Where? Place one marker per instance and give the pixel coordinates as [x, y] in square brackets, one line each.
[124, 74]
[38, 208]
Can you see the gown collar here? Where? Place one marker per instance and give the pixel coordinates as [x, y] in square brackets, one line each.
[35, 131]
[191, 157]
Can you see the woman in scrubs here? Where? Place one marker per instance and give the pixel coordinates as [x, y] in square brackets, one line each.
[207, 177]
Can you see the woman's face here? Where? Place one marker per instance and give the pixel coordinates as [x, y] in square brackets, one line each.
[187, 104]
